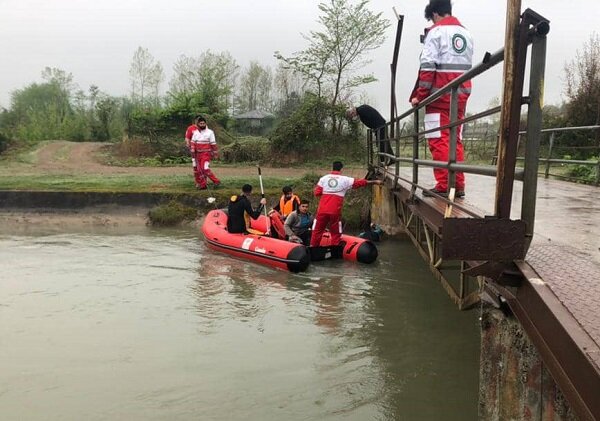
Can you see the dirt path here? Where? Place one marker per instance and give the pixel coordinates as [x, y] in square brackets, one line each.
[78, 158]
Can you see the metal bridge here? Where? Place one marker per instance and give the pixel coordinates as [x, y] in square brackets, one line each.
[516, 240]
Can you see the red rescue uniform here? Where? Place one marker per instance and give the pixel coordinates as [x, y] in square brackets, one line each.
[447, 54]
[203, 147]
[332, 188]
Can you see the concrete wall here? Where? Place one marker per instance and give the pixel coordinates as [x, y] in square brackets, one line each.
[383, 210]
[513, 383]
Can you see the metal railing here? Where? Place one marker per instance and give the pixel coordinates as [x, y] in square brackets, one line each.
[534, 29]
[549, 160]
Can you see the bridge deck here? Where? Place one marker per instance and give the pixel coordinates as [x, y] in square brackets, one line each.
[559, 305]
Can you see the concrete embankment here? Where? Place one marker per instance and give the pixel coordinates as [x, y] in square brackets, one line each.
[78, 200]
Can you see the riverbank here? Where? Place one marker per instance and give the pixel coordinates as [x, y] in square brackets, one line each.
[69, 177]
[98, 218]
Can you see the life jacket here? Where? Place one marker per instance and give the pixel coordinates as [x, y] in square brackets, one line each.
[287, 207]
[277, 225]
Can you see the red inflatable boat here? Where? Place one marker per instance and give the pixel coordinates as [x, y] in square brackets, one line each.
[257, 248]
[351, 248]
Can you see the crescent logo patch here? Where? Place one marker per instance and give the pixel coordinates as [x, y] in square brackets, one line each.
[332, 182]
[459, 43]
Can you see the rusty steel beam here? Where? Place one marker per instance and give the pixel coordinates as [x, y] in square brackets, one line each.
[559, 339]
[488, 239]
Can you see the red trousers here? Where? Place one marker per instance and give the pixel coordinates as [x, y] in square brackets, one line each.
[201, 163]
[439, 147]
[322, 220]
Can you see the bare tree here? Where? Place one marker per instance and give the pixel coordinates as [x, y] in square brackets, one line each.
[287, 82]
[146, 75]
[256, 86]
[583, 89]
[336, 53]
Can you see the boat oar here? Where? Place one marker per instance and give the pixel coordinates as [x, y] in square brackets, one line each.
[262, 194]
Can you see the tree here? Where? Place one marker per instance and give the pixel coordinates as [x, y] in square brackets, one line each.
[341, 48]
[146, 76]
[287, 82]
[289, 88]
[583, 92]
[39, 111]
[212, 76]
[255, 88]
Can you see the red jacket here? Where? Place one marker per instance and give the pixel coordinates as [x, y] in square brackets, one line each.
[447, 54]
[201, 140]
[333, 187]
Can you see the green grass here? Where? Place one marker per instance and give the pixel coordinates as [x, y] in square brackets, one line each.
[138, 183]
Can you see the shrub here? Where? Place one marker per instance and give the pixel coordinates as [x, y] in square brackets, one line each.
[316, 129]
[4, 141]
[248, 149]
[586, 173]
[170, 214]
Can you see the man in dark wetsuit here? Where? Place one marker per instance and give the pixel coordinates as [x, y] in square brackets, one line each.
[238, 207]
[371, 118]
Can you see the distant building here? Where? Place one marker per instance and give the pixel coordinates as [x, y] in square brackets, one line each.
[254, 122]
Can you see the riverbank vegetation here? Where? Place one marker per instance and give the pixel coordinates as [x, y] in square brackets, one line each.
[285, 116]
[292, 113]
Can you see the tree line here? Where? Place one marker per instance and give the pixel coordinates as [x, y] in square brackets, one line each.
[306, 92]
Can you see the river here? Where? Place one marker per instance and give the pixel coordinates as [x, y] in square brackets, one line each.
[148, 324]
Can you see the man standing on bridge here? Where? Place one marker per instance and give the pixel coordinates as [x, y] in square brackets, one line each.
[447, 54]
[203, 147]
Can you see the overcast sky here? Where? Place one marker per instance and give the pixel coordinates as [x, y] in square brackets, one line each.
[95, 40]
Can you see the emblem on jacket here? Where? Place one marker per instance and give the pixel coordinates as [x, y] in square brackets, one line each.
[459, 43]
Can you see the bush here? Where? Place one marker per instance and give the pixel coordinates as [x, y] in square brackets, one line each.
[248, 149]
[586, 173]
[315, 129]
[4, 141]
[162, 131]
[170, 214]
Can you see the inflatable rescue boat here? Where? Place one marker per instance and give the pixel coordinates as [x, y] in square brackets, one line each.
[351, 248]
[257, 248]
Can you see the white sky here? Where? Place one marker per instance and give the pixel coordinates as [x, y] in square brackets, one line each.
[95, 40]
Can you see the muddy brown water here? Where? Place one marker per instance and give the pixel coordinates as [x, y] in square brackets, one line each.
[142, 324]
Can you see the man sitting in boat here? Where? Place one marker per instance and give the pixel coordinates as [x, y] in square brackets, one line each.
[298, 224]
[288, 203]
[239, 211]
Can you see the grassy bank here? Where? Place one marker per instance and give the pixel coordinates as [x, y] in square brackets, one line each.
[357, 201]
[124, 183]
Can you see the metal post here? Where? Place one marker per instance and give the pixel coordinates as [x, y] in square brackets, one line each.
[415, 174]
[370, 147]
[397, 154]
[393, 67]
[453, 137]
[534, 127]
[598, 167]
[515, 54]
[550, 146]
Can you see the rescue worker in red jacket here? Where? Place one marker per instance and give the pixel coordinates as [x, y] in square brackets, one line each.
[447, 54]
[203, 147]
[332, 188]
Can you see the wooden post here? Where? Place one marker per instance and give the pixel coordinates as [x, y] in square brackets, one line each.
[510, 115]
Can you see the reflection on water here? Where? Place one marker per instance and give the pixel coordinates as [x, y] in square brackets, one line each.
[153, 326]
